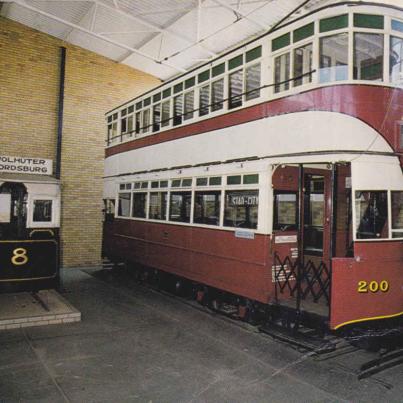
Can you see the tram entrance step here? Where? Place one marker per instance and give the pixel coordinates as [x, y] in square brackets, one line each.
[45, 307]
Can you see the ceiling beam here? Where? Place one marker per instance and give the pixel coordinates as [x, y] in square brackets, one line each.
[23, 4]
[242, 15]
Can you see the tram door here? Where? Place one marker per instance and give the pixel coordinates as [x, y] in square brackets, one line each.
[316, 216]
[14, 198]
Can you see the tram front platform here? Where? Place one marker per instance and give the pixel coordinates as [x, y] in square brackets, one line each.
[134, 344]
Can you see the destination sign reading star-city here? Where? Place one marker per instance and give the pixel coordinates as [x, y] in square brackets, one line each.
[27, 165]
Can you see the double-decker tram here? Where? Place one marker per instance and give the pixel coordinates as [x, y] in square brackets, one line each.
[272, 176]
[29, 225]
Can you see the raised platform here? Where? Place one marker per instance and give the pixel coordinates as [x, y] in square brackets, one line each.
[45, 307]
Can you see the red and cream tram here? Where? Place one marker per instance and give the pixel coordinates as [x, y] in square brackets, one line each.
[274, 172]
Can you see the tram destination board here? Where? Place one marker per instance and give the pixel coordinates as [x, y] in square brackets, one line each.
[28, 260]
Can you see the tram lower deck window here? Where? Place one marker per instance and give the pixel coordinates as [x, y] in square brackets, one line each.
[124, 205]
[371, 209]
[42, 211]
[179, 206]
[241, 208]
[158, 206]
[139, 205]
[207, 208]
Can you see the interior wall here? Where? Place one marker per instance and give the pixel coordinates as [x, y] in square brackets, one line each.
[29, 85]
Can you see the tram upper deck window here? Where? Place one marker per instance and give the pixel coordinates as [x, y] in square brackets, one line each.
[139, 205]
[156, 117]
[42, 211]
[165, 114]
[178, 109]
[124, 204]
[282, 72]
[371, 209]
[179, 206]
[368, 56]
[112, 126]
[188, 109]
[217, 95]
[333, 58]
[146, 121]
[397, 214]
[235, 89]
[204, 100]
[285, 211]
[302, 65]
[252, 81]
[207, 207]
[241, 208]
[396, 62]
[158, 206]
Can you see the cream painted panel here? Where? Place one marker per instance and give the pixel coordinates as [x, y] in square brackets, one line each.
[285, 134]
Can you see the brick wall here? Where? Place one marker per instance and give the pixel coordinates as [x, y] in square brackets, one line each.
[29, 80]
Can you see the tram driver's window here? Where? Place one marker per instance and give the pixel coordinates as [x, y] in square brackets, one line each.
[397, 214]
[285, 211]
[42, 211]
[241, 208]
[371, 209]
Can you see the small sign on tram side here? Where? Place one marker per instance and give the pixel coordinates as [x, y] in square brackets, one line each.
[25, 165]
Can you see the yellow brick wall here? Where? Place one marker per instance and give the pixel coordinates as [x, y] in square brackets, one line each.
[29, 85]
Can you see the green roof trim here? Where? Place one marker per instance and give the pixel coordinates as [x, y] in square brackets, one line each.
[166, 93]
[178, 88]
[190, 82]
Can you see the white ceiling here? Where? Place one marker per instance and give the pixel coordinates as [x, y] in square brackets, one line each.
[163, 38]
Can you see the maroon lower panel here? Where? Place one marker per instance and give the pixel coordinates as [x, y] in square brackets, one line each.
[368, 286]
[213, 257]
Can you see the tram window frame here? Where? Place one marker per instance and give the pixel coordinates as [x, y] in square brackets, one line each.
[204, 100]
[119, 204]
[178, 105]
[156, 117]
[113, 121]
[161, 206]
[302, 73]
[201, 206]
[146, 123]
[396, 217]
[42, 200]
[368, 217]
[184, 207]
[217, 97]
[189, 109]
[139, 204]
[332, 69]
[393, 72]
[165, 120]
[282, 226]
[379, 59]
[282, 72]
[234, 221]
[252, 92]
[236, 100]
[138, 120]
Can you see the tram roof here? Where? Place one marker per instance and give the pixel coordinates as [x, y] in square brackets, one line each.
[161, 38]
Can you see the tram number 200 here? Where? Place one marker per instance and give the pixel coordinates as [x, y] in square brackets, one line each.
[373, 286]
[19, 257]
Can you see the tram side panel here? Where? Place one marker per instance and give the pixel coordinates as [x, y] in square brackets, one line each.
[207, 256]
[368, 287]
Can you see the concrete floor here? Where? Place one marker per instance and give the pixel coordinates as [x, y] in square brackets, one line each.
[137, 345]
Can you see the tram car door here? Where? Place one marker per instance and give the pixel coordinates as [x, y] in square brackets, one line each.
[29, 233]
[303, 238]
